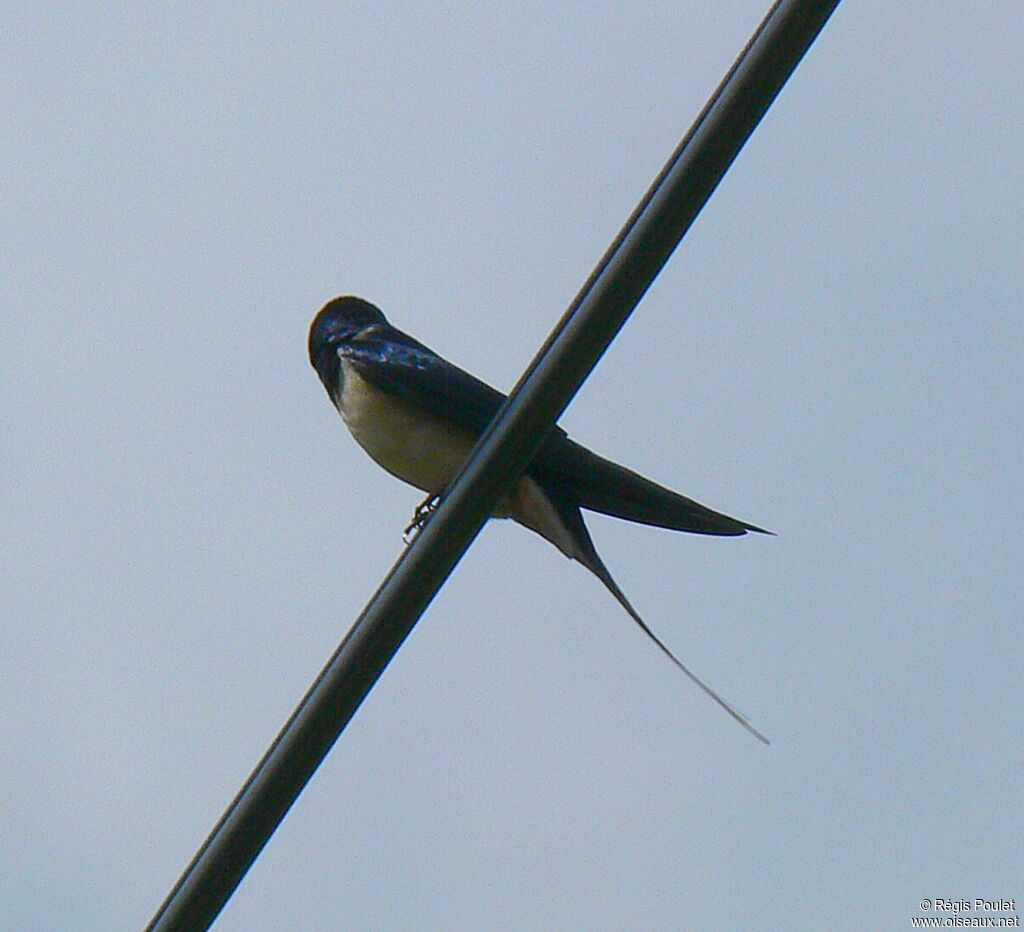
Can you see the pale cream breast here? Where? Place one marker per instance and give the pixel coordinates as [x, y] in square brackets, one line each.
[418, 449]
[425, 452]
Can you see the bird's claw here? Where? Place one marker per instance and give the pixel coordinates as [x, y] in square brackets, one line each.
[420, 517]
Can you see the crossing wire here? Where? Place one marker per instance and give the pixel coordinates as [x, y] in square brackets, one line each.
[579, 339]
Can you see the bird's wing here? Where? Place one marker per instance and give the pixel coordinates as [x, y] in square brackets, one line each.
[399, 365]
[600, 485]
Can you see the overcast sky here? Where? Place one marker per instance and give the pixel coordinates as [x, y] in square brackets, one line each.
[188, 530]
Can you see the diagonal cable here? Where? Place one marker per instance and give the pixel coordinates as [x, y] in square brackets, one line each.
[583, 334]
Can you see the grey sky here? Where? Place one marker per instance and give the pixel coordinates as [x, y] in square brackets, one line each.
[835, 353]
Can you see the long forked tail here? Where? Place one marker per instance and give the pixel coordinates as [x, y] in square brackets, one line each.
[587, 555]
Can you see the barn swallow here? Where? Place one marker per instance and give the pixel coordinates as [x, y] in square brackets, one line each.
[418, 416]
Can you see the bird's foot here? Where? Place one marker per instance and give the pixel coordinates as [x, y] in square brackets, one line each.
[420, 517]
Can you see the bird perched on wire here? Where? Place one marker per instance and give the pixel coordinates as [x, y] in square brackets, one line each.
[418, 416]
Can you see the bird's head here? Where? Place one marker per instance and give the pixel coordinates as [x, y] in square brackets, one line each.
[338, 320]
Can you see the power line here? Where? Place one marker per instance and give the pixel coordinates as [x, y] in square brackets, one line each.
[583, 334]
